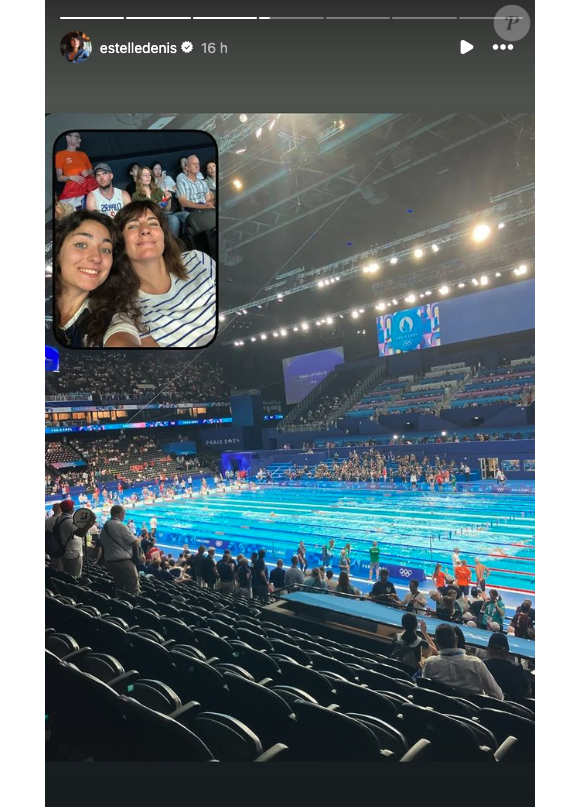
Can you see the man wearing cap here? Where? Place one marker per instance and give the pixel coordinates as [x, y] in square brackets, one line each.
[118, 542]
[106, 199]
[511, 678]
[456, 669]
[72, 560]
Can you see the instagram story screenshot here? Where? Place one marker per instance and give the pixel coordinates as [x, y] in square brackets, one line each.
[289, 412]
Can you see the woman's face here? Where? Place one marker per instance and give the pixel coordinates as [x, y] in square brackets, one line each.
[75, 43]
[144, 237]
[146, 176]
[86, 257]
[157, 171]
[211, 170]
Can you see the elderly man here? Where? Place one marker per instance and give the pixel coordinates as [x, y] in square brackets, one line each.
[196, 198]
[456, 669]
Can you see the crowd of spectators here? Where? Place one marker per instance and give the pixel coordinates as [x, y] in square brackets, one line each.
[325, 410]
[125, 376]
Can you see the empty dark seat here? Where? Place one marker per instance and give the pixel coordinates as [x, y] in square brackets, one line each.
[389, 736]
[155, 695]
[450, 739]
[293, 694]
[324, 735]
[320, 662]
[504, 725]
[147, 618]
[258, 663]
[265, 712]
[254, 639]
[356, 698]
[169, 610]
[291, 650]
[152, 737]
[224, 630]
[484, 736]
[60, 644]
[194, 679]
[211, 645]
[308, 680]
[229, 739]
[236, 669]
[485, 702]
[175, 628]
[444, 703]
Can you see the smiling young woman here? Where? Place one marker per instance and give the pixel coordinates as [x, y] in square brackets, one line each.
[93, 297]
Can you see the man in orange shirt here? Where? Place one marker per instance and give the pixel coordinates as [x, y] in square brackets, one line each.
[463, 577]
[74, 168]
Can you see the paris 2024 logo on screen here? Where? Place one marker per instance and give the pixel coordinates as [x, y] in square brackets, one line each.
[413, 329]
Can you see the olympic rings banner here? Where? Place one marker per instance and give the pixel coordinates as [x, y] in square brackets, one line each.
[398, 571]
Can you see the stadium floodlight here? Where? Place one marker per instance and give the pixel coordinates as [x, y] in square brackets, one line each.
[498, 274]
[243, 118]
[461, 285]
[475, 281]
[418, 253]
[354, 314]
[237, 183]
[395, 302]
[371, 268]
[259, 131]
[434, 247]
[481, 232]
[329, 320]
[253, 338]
[501, 225]
[305, 326]
[394, 260]
[380, 306]
[410, 298]
[321, 284]
[222, 318]
[444, 290]
[484, 280]
[428, 293]
[275, 334]
[283, 332]
[295, 328]
[263, 337]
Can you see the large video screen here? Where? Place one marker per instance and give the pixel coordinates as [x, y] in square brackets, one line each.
[302, 373]
[413, 329]
[475, 316]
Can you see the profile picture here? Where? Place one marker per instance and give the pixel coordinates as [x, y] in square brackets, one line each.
[75, 47]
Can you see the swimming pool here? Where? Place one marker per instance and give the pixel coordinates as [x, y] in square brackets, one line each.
[415, 529]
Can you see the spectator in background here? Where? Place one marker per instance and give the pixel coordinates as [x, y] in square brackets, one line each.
[383, 590]
[278, 575]
[415, 600]
[476, 604]
[301, 555]
[456, 669]
[408, 644]
[74, 168]
[314, 584]
[522, 622]
[118, 543]
[148, 190]
[344, 586]
[134, 169]
[210, 174]
[208, 568]
[511, 678]
[72, 560]
[331, 582]
[260, 578]
[106, 199]
[162, 179]
[195, 563]
[195, 197]
[245, 578]
[493, 612]
[225, 571]
[294, 575]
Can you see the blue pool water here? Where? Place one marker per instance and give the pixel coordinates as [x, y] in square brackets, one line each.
[415, 529]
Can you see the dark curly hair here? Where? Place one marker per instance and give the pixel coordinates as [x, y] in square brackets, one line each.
[116, 295]
[171, 251]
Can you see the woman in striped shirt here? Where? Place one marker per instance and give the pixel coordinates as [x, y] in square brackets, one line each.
[177, 291]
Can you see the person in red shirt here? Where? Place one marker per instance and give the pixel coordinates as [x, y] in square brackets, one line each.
[463, 577]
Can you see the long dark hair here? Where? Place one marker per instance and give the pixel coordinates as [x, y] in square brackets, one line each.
[115, 296]
[409, 623]
[171, 252]
[79, 37]
[343, 583]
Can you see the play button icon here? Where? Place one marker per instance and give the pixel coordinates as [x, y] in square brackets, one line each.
[465, 46]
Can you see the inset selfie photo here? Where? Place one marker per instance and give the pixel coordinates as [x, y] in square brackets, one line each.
[135, 239]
